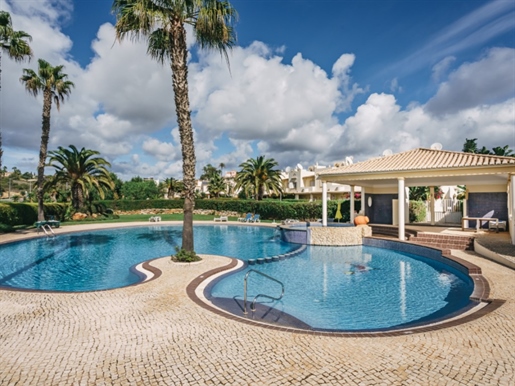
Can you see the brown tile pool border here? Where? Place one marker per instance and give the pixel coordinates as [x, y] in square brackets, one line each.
[479, 295]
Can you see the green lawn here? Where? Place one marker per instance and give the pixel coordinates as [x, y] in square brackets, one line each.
[145, 217]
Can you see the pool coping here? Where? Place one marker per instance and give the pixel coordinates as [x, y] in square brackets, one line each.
[480, 295]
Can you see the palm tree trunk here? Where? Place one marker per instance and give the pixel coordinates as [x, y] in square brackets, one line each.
[1, 149]
[77, 196]
[45, 134]
[182, 108]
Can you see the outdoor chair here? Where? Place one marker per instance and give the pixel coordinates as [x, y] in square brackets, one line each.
[255, 218]
[247, 218]
[497, 225]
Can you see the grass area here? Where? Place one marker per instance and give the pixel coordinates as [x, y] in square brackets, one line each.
[143, 217]
[123, 219]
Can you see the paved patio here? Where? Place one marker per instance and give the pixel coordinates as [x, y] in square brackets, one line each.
[153, 334]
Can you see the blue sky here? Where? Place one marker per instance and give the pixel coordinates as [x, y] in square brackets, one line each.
[310, 81]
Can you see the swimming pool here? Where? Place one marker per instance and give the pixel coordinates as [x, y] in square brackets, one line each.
[359, 288]
[102, 259]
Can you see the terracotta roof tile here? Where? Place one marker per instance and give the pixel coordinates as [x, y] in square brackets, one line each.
[422, 159]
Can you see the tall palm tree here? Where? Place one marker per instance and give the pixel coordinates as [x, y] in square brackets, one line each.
[258, 176]
[82, 170]
[54, 85]
[162, 23]
[14, 44]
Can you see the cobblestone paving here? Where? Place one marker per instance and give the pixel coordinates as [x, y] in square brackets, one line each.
[153, 334]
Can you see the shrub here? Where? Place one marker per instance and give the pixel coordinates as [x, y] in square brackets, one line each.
[417, 211]
[184, 256]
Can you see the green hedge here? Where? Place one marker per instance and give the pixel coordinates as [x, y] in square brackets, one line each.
[20, 213]
[268, 209]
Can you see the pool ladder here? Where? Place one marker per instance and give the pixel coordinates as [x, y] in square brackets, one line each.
[48, 230]
[253, 305]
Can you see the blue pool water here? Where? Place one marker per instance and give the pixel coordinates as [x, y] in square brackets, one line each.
[97, 260]
[356, 288]
[328, 288]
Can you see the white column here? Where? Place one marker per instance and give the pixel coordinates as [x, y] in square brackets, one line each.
[432, 204]
[324, 203]
[363, 201]
[401, 207]
[511, 216]
[352, 204]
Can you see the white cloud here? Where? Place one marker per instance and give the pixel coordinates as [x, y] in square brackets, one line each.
[123, 103]
[486, 81]
[440, 68]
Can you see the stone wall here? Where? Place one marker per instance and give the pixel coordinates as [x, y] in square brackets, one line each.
[337, 236]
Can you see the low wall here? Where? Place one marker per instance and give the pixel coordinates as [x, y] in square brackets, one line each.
[336, 236]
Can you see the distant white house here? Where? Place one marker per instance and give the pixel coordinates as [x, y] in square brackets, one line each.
[305, 183]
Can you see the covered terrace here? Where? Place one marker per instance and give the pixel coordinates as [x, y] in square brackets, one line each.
[489, 181]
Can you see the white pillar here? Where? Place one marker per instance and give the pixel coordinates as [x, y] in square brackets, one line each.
[400, 200]
[324, 203]
[363, 201]
[352, 204]
[432, 204]
[511, 216]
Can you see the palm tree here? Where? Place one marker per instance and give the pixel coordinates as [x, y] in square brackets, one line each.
[504, 151]
[216, 185]
[470, 145]
[82, 170]
[258, 176]
[173, 187]
[162, 23]
[54, 85]
[14, 44]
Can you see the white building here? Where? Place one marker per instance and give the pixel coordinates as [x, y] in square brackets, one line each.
[305, 184]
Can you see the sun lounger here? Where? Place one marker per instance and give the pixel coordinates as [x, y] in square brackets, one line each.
[221, 218]
[255, 218]
[247, 218]
[155, 219]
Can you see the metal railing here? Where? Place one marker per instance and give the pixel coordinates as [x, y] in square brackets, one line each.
[253, 305]
[49, 232]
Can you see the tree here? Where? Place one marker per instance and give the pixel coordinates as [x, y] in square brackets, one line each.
[174, 186]
[54, 85]
[470, 146]
[82, 170]
[14, 44]
[503, 151]
[208, 172]
[162, 23]
[139, 189]
[216, 185]
[257, 176]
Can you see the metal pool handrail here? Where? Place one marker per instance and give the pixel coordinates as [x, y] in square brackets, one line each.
[253, 305]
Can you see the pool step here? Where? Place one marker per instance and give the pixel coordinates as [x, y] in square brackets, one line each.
[263, 260]
[444, 241]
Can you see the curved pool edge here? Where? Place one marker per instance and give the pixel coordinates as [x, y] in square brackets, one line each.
[480, 305]
[144, 270]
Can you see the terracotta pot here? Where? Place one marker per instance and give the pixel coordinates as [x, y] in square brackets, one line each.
[361, 220]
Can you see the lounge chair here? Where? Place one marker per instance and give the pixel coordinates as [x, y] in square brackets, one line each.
[221, 218]
[247, 218]
[155, 219]
[255, 218]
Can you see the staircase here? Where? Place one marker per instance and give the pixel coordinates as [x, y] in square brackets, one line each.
[444, 241]
[429, 239]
